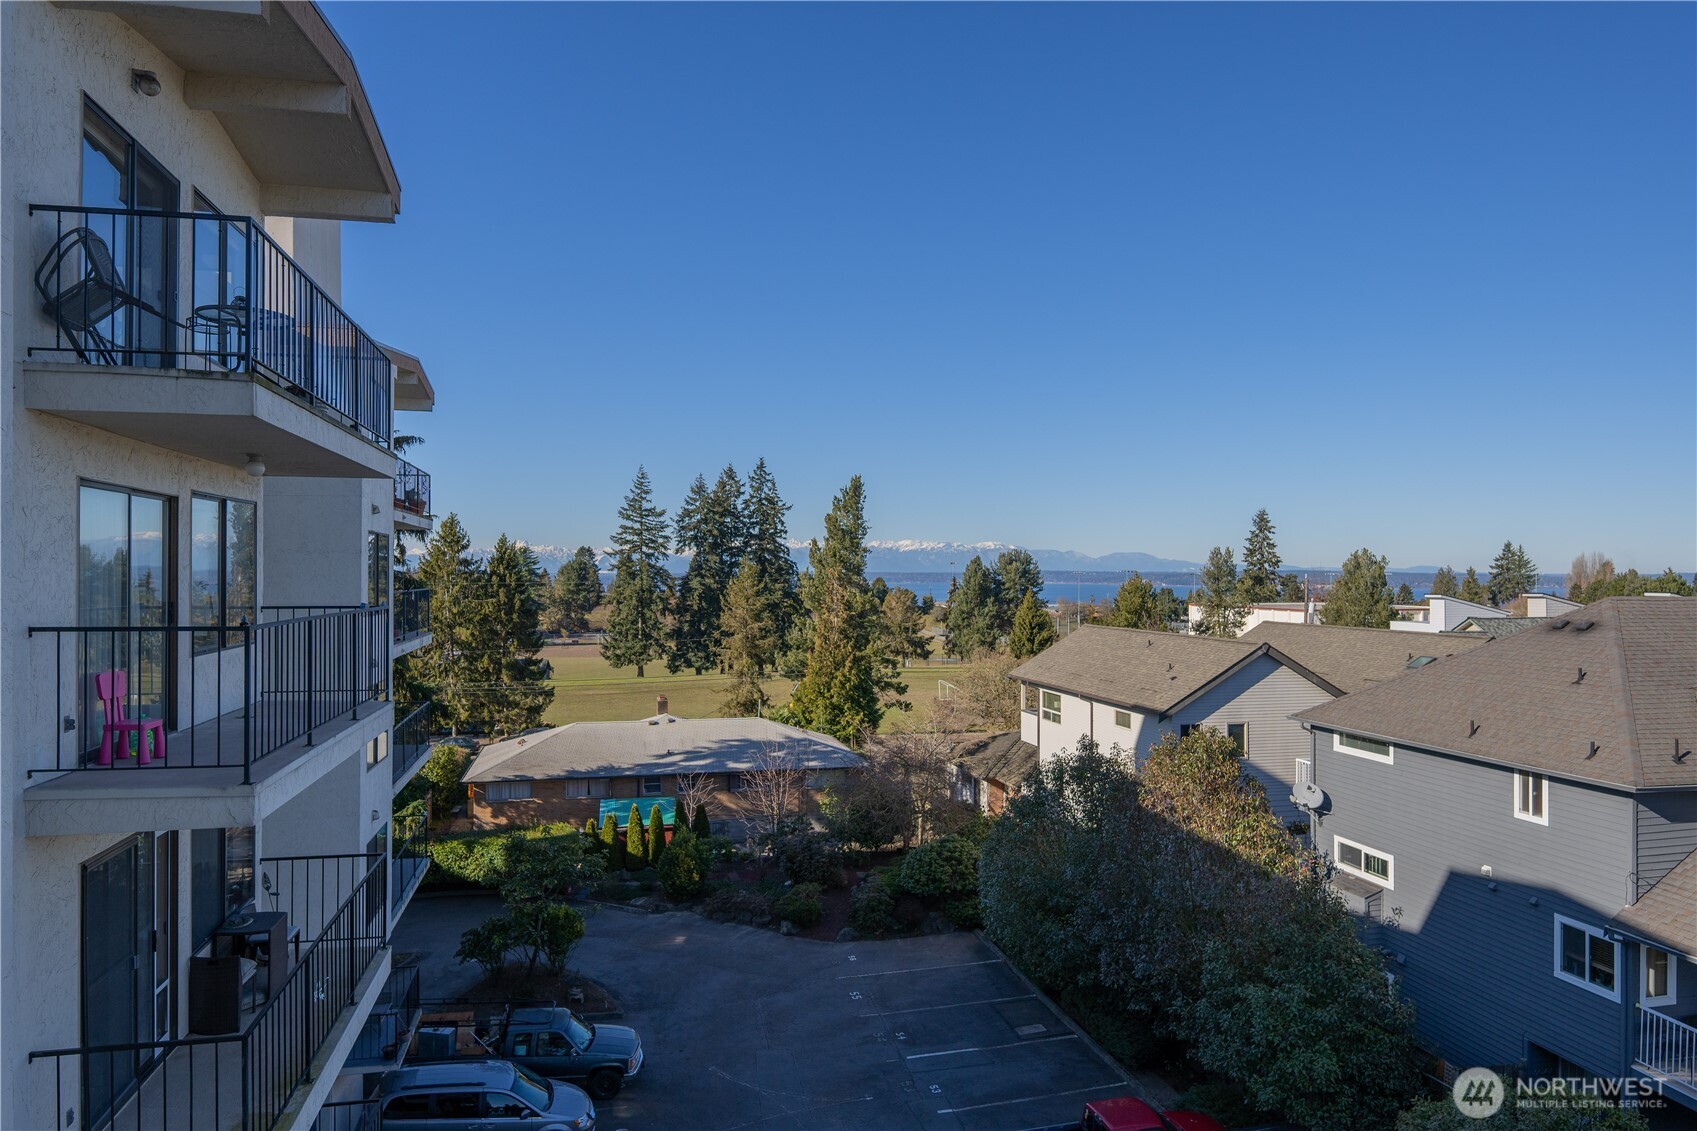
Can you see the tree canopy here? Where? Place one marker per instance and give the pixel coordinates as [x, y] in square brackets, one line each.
[1512, 573]
[636, 626]
[1260, 578]
[973, 611]
[1032, 629]
[1360, 597]
[1223, 607]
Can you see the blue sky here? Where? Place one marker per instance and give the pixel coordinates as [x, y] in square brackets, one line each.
[1094, 277]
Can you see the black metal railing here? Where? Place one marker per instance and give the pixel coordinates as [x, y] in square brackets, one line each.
[409, 858]
[277, 682]
[117, 291]
[245, 1080]
[410, 743]
[412, 488]
[388, 1030]
[349, 1115]
[311, 889]
[412, 614]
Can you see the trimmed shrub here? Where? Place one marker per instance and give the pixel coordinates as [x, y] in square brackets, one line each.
[614, 850]
[808, 858]
[801, 905]
[656, 836]
[1128, 1036]
[592, 830]
[965, 913]
[683, 865]
[733, 903]
[699, 822]
[942, 869]
[872, 909]
[636, 844]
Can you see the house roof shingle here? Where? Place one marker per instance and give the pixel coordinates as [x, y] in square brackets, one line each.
[1129, 667]
[1667, 913]
[1354, 659]
[999, 757]
[1606, 694]
[664, 744]
[1495, 626]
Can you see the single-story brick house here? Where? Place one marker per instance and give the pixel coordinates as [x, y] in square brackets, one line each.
[990, 768]
[579, 771]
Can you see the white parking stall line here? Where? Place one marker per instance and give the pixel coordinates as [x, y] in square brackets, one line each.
[993, 1048]
[923, 969]
[1031, 1099]
[952, 1005]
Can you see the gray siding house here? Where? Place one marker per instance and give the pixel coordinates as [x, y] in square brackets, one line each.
[1516, 829]
[1130, 688]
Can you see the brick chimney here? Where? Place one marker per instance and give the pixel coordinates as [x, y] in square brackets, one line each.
[660, 705]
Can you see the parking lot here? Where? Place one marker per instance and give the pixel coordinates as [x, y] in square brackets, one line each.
[743, 1028]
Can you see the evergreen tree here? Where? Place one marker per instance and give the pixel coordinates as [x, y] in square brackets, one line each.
[766, 542]
[575, 592]
[1360, 597]
[1512, 573]
[1015, 574]
[611, 845]
[636, 628]
[1222, 605]
[1261, 562]
[1032, 629]
[636, 844]
[748, 643]
[591, 829]
[903, 625]
[700, 823]
[446, 666]
[710, 529]
[1404, 594]
[1472, 589]
[508, 640]
[656, 836]
[1292, 588]
[1444, 583]
[1135, 606]
[972, 611]
[848, 672]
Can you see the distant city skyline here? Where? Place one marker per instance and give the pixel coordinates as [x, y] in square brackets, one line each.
[1098, 277]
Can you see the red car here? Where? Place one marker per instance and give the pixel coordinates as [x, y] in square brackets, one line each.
[1123, 1113]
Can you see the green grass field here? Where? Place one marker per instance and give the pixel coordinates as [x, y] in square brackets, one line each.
[588, 689]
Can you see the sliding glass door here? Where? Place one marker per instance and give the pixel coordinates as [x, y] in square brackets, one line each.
[125, 580]
[118, 969]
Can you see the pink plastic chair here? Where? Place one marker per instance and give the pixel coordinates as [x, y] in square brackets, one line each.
[111, 687]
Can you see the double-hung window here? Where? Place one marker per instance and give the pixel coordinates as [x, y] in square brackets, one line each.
[1586, 958]
[223, 569]
[1051, 706]
[1367, 863]
[1361, 746]
[1532, 798]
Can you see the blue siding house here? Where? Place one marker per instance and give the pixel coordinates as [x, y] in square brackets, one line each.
[1517, 830]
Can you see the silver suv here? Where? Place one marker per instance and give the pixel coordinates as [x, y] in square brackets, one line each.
[485, 1095]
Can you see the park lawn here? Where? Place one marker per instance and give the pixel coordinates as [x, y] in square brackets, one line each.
[588, 689]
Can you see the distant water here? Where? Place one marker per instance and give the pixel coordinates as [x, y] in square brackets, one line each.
[1084, 590]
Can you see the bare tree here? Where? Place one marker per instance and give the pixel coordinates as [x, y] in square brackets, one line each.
[984, 698]
[775, 788]
[1586, 570]
[916, 764]
[694, 790]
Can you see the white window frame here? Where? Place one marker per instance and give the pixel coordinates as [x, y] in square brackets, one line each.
[1126, 715]
[1243, 747]
[1544, 795]
[1043, 706]
[1387, 881]
[1591, 933]
[1388, 757]
[508, 787]
[1672, 995]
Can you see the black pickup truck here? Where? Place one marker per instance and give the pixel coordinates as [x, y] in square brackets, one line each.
[549, 1040]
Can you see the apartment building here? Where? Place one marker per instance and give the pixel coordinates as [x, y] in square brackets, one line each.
[199, 500]
[1517, 830]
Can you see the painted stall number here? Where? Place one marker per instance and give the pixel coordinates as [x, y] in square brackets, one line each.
[901, 1036]
[854, 995]
[936, 1089]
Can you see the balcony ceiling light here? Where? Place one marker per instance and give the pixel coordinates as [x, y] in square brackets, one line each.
[254, 466]
[144, 82]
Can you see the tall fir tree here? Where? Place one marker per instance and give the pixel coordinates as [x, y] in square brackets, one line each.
[1032, 629]
[1292, 587]
[766, 541]
[710, 529]
[1472, 589]
[748, 643]
[1444, 583]
[973, 614]
[1260, 578]
[848, 671]
[1135, 606]
[1222, 605]
[636, 625]
[904, 626]
[1360, 597]
[1512, 573]
[446, 666]
[1015, 574]
[511, 678]
[1404, 594]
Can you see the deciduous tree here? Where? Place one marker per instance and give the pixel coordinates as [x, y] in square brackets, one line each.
[636, 628]
[1587, 570]
[1360, 597]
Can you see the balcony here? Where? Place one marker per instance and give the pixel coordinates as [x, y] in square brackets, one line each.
[412, 496]
[412, 619]
[186, 726]
[266, 1074]
[409, 859]
[198, 333]
[410, 744]
[382, 1043]
[1667, 1050]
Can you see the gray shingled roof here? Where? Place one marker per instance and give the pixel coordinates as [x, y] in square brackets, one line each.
[1667, 913]
[1128, 667]
[1000, 757]
[1354, 659]
[664, 744]
[1495, 626]
[1522, 701]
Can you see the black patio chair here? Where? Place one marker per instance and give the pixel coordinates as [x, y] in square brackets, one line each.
[96, 295]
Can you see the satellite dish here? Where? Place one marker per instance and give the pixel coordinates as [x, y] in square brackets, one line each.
[1310, 796]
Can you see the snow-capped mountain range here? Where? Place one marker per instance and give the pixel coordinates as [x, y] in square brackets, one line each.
[914, 555]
